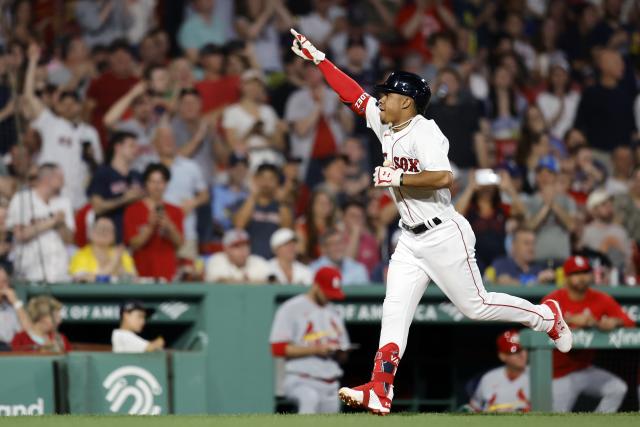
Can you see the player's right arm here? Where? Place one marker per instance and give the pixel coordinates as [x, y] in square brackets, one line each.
[281, 338]
[349, 91]
[292, 351]
[478, 402]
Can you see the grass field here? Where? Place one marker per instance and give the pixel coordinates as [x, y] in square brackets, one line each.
[342, 420]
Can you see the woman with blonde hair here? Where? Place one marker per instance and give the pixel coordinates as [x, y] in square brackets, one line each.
[42, 335]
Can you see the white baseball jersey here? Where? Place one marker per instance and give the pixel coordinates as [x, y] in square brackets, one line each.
[300, 321]
[44, 256]
[62, 144]
[301, 273]
[418, 147]
[496, 392]
[444, 254]
[124, 341]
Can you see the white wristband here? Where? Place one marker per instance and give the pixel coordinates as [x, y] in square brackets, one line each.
[18, 305]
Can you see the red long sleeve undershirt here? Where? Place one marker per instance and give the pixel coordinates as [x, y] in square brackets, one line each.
[279, 349]
[350, 92]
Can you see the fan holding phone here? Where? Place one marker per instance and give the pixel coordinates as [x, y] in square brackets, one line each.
[153, 228]
[488, 201]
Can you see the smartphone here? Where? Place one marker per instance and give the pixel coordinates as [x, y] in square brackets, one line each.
[487, 177]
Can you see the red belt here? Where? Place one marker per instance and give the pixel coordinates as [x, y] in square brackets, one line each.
[328, 381]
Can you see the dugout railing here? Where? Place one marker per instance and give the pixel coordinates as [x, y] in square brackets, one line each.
[540, 349]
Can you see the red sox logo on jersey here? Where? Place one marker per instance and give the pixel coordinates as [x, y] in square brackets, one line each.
[407, 164]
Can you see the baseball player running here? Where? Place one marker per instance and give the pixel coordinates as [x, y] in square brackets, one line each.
[436, 243]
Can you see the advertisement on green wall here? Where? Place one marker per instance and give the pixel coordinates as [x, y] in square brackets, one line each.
[118, 384]
[27, 386]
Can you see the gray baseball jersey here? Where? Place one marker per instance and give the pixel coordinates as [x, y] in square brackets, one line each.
[496, 392]
[302, 322]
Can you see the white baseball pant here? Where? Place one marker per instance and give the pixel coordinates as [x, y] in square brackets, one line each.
[313, 396]
[592, 381]
[446, 255]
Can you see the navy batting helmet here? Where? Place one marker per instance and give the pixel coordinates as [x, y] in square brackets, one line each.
[408, 84]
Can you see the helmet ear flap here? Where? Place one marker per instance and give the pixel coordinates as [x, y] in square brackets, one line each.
[421, 108]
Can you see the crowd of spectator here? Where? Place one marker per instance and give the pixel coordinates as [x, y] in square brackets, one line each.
[179, 141]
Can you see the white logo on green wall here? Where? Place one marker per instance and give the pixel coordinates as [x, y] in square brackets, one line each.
[36, 408]
[134, 388]
[174, 309]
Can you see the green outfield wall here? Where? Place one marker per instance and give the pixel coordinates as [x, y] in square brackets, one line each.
[220, 360]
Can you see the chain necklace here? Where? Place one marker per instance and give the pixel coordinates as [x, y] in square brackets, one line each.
[401, 125]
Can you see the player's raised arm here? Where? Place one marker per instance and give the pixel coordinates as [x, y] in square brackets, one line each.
[350, 92]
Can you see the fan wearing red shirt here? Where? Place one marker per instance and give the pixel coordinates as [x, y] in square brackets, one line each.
[111, 85]
[42, 335]
[216, 89]
[153, 228]
[420, 19]
[574, 372]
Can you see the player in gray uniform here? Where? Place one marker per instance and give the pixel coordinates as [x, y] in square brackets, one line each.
[310, 334]
[505, 388]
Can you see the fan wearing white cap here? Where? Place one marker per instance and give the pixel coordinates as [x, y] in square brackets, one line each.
[236, 264]
[603, 234]
[285, 270]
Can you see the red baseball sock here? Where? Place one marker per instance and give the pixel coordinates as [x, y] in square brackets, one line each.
[385, 366]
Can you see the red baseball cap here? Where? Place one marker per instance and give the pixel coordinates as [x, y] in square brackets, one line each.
[509, 342]
[329, 280]
[576, 264]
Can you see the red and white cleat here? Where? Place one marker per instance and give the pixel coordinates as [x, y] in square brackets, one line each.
[560, 332]
[370, 396]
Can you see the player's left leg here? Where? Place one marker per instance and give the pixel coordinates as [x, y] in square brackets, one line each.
[406, 283]
[609, 387]
[449, 259]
